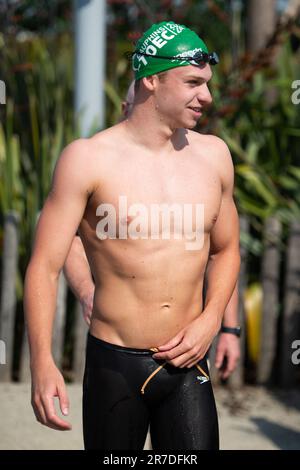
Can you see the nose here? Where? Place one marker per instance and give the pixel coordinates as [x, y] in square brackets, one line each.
[204, 95]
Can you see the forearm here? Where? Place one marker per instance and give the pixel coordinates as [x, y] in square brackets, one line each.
[230, 318]
[221, 280]
[77, 271]
[40, 293]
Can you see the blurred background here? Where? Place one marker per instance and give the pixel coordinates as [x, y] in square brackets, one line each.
[50, 86]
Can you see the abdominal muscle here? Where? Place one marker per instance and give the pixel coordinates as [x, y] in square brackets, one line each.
[145, 294]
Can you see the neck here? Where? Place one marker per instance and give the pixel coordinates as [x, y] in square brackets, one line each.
[150, 129]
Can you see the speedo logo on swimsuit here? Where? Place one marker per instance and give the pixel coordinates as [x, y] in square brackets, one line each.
[156, 41]
[202, 379]
[175, 219]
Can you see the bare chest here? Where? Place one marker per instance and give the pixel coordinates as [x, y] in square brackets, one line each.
[156, 200]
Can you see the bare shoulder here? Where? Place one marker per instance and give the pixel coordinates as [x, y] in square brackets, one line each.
[76, 153]
[84, 161]
[76, 166]
[107, 137]
[216, 151]
[85, 151]
[212, 143]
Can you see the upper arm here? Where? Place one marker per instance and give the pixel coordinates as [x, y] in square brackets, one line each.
[225, 231]
[64, 206]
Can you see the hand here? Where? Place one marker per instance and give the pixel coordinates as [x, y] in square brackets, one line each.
[47, 383]
[87, 302]
[190, 344]
[227, 353]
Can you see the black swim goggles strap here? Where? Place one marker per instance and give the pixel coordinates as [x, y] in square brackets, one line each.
[200, 58]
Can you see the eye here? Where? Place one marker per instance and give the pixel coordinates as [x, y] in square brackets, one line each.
[193, 82]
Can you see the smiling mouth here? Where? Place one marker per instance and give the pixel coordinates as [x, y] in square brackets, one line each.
[195, 109]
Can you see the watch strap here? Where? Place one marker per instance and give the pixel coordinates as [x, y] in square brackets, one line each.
[234, 331]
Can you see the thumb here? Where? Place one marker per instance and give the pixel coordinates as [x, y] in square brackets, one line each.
[172, 343]
[63, 399]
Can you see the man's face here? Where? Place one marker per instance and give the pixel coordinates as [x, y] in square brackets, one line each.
[182, 94]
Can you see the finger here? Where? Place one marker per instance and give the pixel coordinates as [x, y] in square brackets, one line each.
[194, 363]
[193, 356]
[226, 373]
[86, 313]
[90, 311]
[231, 362]
[172, 343]
[177, 351]
[230, 368]
[43, 420]
[63, 399]
[57, 428]
[177, 356]
[188, 359]
[51, 416]
[220, 356]
[39, 411]
[190, 363]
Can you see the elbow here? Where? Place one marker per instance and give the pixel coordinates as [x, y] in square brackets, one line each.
[232, 253]
[39, 270]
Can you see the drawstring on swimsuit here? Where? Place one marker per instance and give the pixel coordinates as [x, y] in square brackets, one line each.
[160, 367]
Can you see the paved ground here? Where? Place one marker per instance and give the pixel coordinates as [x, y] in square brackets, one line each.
[253, 418]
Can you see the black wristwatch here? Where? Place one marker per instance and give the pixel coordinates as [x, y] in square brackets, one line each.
[234, 331]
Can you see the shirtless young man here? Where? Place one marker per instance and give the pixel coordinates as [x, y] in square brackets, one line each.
[79, 277]
[148, 277]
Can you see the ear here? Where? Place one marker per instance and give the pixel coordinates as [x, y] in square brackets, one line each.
[123, 107]
[150, 82]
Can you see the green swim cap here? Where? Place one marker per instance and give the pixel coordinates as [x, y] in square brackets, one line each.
[157, 49]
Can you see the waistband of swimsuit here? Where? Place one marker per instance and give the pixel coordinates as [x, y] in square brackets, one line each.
[117, 347]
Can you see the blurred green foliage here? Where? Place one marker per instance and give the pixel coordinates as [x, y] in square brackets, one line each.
[37, 64]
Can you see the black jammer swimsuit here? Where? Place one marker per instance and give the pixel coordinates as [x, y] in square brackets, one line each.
[126, 389]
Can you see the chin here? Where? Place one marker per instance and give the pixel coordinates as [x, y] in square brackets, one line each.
[185, 123]
[190, 124]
